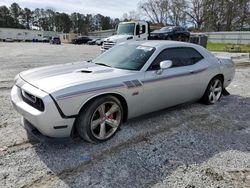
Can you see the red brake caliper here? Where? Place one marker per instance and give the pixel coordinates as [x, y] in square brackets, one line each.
[111, 116]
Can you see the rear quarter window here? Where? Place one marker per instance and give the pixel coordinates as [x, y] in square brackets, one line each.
[181, 56]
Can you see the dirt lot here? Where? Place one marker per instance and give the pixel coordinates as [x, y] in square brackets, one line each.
[192, 145]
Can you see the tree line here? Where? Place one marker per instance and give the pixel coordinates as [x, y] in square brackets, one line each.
[206, 15]
[51, 20]
[200, 15]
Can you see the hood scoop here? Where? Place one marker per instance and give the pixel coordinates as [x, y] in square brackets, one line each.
[94, 70]
[83, 71]
[86, 71]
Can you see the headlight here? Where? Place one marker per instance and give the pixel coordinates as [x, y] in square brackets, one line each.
[32, 100]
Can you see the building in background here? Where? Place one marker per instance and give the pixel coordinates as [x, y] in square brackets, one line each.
[67, 38]
[26, 35]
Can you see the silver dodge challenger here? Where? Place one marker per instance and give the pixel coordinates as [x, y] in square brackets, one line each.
[93, 98]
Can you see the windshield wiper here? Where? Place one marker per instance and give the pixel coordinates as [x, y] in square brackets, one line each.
[102, 64]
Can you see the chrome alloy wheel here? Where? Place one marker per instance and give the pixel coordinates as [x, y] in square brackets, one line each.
[105, 120]
[215, 91]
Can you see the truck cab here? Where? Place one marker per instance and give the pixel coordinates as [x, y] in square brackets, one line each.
[128, 31]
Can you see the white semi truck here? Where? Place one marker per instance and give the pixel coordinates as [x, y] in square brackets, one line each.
[128, 31]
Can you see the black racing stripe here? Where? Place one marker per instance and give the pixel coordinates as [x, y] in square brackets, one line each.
[172, 76]
[76, 93]
[88, 91]
[164, 78]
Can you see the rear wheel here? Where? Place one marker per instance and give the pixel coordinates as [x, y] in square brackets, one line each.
[214, 91]
[100, 120]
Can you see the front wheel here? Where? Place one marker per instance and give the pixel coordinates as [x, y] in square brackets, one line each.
[100, 120]
[214, 91]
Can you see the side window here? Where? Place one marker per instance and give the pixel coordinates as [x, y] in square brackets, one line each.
[137, 30]
[143, 29]
[179, 56]
[193, 56]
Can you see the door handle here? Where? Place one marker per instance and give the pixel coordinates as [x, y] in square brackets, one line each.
[192, 72]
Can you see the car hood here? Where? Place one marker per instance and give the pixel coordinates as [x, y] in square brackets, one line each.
[159, 32]
[55, 78]
[118, 38]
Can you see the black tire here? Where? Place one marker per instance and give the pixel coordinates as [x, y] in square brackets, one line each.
[168, 38]
[206, 97]
[185, 39]
[83, 122]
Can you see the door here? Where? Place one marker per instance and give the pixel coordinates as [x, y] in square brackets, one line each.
[141, 32]
[176, 85]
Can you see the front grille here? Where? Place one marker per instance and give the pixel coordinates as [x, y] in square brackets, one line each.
[108, 44]
[32, 100]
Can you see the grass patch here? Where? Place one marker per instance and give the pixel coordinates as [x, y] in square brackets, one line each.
[222, 47]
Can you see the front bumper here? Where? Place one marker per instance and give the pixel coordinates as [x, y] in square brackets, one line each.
[49, 122]
[39, 136]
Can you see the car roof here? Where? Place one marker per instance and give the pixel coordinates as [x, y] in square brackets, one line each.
[162, 43]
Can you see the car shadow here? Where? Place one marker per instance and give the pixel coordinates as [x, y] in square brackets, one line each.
[150, 148]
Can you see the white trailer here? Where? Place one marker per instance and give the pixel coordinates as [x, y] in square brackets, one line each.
[25, 34]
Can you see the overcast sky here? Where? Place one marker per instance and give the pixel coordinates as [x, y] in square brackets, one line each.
[112, 8]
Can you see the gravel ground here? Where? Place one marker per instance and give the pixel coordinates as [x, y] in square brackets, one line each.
[190, 146]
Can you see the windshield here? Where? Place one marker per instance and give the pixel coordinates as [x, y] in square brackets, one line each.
[127, 56]
[166, 29]
[127, 29]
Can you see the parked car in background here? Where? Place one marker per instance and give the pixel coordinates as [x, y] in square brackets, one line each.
[55, 40]
[99, 42]
[92, 42]
[129, 80]
[171, 33]
[81, 40]
[9, 40]
[45, 40]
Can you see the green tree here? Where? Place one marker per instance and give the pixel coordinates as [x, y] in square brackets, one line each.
[105, 22]
[78, 23]
[50, 16]
[27, 17]
[15, 11]
[5, 18]
[63, 22]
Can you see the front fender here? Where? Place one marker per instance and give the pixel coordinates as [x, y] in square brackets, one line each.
[98, 95]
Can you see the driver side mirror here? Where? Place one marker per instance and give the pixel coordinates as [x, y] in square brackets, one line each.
[166, 64]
